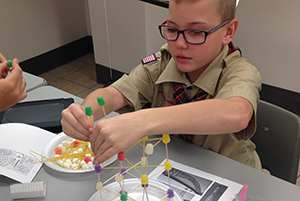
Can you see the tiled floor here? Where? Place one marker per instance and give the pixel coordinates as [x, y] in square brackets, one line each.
[79, 78]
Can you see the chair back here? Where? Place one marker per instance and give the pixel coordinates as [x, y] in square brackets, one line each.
[277, 140]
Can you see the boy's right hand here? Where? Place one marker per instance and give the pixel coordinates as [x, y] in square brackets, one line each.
[75, 123]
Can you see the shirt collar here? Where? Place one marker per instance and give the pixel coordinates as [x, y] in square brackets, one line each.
[207, 80]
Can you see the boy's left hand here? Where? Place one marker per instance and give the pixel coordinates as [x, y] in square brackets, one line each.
[116, 134]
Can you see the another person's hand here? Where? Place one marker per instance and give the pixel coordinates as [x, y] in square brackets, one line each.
[75, 123]
[4, 70]
[12, 86]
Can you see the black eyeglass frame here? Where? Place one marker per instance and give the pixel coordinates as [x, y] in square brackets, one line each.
[199, 30]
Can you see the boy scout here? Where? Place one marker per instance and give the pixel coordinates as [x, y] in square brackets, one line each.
[199, 87]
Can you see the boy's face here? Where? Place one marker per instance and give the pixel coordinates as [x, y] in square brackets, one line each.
[193, 59]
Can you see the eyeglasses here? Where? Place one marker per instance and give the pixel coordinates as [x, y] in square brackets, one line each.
[191, 36]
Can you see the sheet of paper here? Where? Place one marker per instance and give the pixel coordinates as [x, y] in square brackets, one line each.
[196, 185]
[16, 141]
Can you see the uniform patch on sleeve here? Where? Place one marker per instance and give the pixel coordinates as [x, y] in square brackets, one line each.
[149, 59]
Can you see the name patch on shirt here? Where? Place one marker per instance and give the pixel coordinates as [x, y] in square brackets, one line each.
[149, 59]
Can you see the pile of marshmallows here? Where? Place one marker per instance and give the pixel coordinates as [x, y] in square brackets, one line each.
[74, 154]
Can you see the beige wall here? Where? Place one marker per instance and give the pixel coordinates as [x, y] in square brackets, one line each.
[269, 37]
[31, 27]
[268, 33]
[130, 34]
[154, 15]
[120, 43]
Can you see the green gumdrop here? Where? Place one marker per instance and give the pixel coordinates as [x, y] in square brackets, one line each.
[9, 63]
[88, 111]
[101, 101]
[123, 197]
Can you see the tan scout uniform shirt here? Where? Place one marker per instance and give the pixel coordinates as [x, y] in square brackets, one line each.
[227, 76]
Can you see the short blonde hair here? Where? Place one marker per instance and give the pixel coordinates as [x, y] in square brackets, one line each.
[225, 8]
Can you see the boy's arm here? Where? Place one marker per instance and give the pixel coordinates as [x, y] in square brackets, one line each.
[214, 116]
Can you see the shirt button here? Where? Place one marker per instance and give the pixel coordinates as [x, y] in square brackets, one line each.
[189, 88]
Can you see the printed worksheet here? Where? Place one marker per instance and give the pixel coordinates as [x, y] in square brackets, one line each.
[16, 141]
[196, 185]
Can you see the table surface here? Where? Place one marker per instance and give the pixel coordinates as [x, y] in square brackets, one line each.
[33, 81]
[49, 92]
[66, 186]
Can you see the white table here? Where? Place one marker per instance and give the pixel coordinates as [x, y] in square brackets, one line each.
[33, 81]
[80, 187]
[49, 92]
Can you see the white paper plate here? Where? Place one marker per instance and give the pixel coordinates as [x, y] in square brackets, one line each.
[49, 152]
[154, 194]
